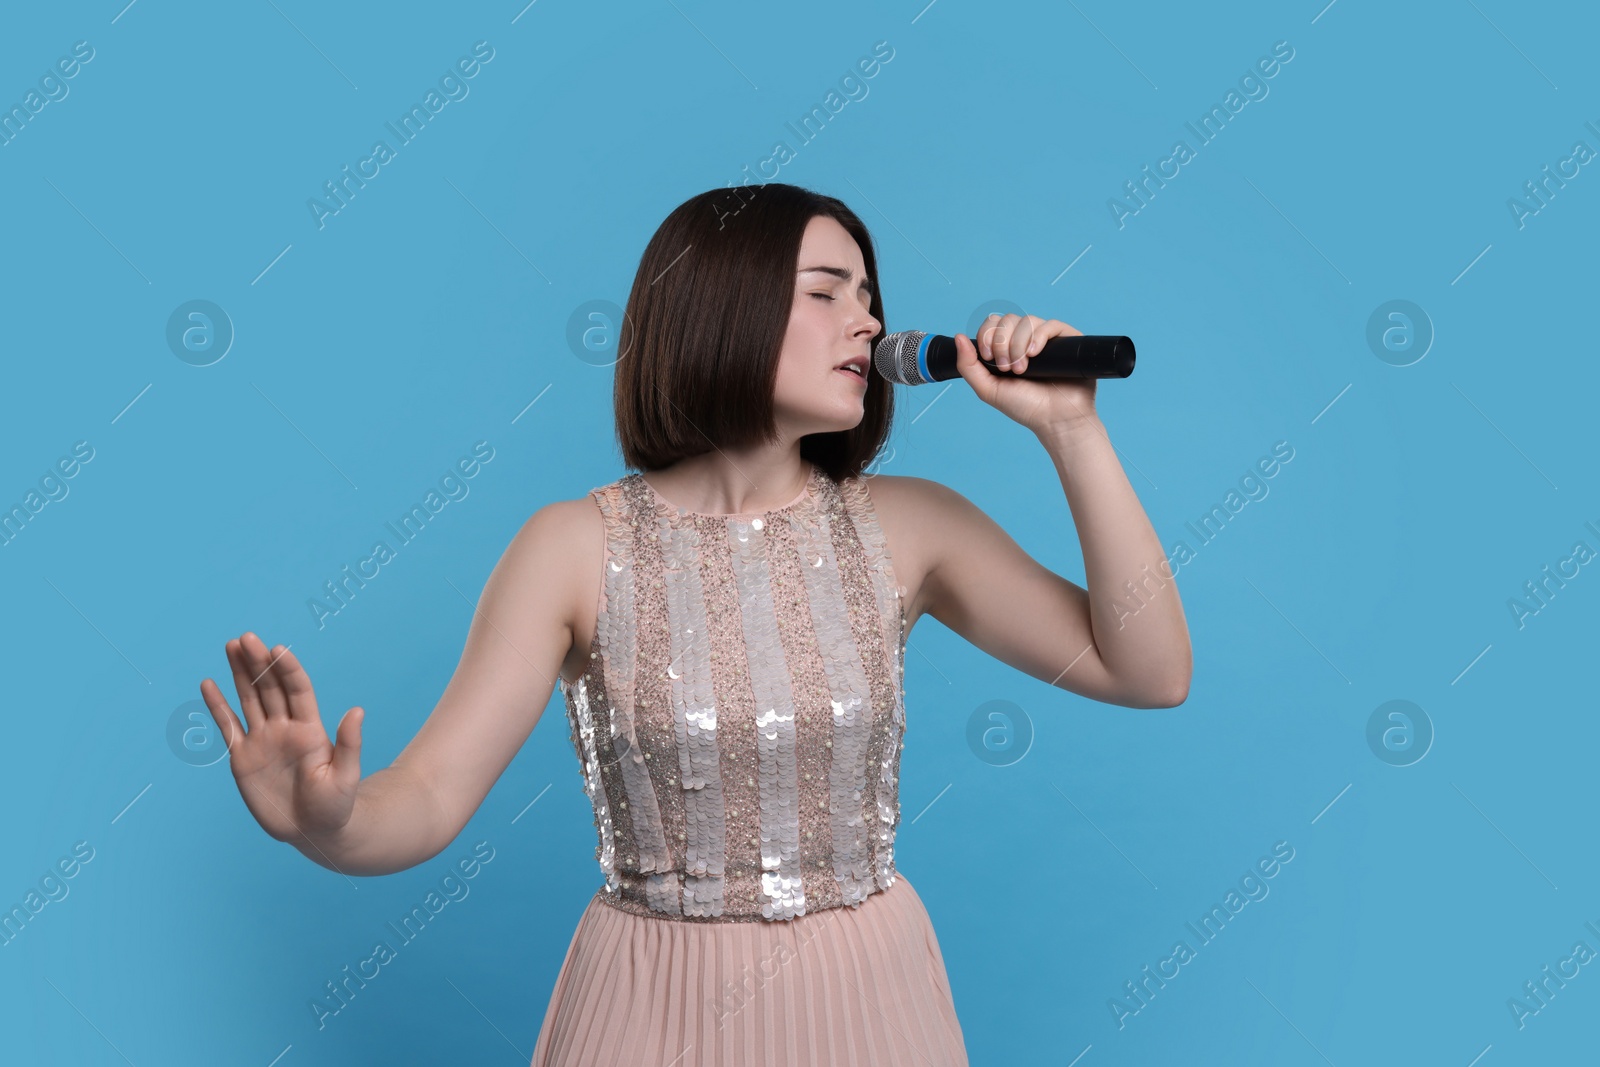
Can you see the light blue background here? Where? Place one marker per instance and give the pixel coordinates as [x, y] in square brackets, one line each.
[432, 311]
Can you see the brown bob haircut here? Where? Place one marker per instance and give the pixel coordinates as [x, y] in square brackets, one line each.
[705, 323]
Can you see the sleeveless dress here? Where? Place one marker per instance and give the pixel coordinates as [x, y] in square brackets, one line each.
[738, 730]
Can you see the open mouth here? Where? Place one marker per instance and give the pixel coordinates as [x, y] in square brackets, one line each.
[856, 368]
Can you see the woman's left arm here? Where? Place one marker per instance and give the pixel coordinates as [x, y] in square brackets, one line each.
[1134, 629]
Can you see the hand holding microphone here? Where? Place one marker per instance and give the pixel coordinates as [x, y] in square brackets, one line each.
[1060, 361]
[1030, 349]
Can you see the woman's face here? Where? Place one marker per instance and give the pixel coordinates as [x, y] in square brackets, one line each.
[830, 322]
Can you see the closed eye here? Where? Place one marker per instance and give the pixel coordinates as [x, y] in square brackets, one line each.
[824, 296]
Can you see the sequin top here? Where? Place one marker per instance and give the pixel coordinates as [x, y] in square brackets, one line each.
[740, 720]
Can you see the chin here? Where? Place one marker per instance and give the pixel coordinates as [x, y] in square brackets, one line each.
[832, 424]
[848, 423]
[842, 414]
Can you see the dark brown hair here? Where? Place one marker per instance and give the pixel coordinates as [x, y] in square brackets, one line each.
[705, 323]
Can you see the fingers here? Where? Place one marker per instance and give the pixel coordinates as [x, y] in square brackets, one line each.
[296, 687]
[1008, 343]
[1018, 338]
[249, 702]
[232, 729]
[1041, 331]
[1005, 340]
[981, 380]
[1023, 334]
[258, 660]
[986, 332]
[347, 748]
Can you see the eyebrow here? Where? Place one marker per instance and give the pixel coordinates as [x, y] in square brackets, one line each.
[838, 272]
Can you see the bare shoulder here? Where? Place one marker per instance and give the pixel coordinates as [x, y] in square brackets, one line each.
[561, 532]
[916, 497]
[946, 542]
[912, 512]
[558, 553]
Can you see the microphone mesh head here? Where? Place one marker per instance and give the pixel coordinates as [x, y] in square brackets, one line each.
[895, 357]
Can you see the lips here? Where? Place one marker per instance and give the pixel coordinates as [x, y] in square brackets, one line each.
[855, 366]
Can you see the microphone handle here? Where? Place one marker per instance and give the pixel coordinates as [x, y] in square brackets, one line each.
[1085, 356]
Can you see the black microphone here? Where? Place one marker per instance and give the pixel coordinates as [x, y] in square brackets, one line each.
[911, 357]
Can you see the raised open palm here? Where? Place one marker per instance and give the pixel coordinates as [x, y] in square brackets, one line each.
[297, 784]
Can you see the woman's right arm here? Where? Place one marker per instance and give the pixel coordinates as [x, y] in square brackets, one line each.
[310, 793]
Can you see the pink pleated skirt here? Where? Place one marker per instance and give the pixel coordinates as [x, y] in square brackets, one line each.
[846, 987]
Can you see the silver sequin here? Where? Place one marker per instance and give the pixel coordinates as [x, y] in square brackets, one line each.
[847, 684]
[740, 719]
[592, 784]
[694, 711]
[616, 635]
[782, 889]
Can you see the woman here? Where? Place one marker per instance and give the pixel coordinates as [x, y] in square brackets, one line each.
[727, 626]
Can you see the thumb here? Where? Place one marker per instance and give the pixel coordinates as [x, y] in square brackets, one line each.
[347, 747]
[981, 380]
